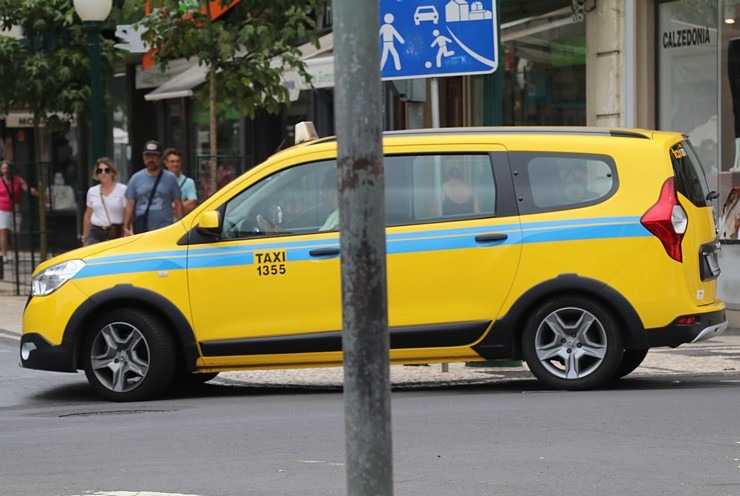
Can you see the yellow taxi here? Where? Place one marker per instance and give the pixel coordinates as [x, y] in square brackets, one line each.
[574, 249]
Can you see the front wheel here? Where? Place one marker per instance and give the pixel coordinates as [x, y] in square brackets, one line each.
[572, 343]
[128, 356]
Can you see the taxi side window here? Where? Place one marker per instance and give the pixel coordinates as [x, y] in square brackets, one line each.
[436, 188]
[557, 181]
[288, 202]
[419, 188]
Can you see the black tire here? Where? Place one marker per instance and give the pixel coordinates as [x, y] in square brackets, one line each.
[630, 361]
[189, 379]
[128, 356]
[571, 342]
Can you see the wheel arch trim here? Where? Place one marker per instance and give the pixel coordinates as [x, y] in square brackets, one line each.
[122, 295]
[502, 341]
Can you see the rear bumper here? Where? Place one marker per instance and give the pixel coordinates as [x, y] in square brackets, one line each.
[706, 326]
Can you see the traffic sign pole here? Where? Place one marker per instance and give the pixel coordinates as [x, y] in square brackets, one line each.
[434, 90]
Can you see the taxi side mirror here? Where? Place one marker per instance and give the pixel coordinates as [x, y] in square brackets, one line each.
[209, 223]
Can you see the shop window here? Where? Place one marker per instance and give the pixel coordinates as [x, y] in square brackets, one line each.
[544, 60]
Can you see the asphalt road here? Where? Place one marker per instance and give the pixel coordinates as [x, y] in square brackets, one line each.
[673, 434]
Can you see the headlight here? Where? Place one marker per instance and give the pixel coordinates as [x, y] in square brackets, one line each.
[50, 279]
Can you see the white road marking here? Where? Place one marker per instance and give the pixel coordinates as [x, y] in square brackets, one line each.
[333, 464]
[131, 493]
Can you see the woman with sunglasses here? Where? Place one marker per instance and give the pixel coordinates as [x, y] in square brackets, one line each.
[106, 201]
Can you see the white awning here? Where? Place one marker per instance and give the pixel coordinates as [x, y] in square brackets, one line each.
[182, 85]
[321, 70]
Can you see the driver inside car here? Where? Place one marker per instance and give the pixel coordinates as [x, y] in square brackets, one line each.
[330, 197]
[270, 219]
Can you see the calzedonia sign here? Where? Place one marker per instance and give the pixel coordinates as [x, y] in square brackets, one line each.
[687, 37]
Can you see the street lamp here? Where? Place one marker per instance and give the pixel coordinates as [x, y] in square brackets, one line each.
[93, 13]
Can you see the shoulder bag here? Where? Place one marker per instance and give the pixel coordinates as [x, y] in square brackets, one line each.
[114, 230]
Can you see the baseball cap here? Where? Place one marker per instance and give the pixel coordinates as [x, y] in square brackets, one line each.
[153, 147]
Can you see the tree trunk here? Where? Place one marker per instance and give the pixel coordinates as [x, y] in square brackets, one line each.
[213, 138]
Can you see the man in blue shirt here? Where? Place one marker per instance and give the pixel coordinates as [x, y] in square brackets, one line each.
[151, 194]
[188, 194]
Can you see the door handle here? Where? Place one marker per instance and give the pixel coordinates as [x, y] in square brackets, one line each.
[487, 238]
[324, 252]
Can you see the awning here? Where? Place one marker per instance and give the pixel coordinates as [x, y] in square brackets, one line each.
[321, 70]
[182, 85]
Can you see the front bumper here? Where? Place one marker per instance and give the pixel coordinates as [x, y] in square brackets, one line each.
[37, 353]
[705, 326]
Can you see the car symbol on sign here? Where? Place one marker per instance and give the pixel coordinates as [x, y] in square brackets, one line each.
[426, 13]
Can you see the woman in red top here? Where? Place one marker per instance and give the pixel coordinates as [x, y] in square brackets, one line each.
[10, 195]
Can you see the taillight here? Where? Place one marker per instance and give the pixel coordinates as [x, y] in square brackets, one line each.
[667, 220]
[686, 321]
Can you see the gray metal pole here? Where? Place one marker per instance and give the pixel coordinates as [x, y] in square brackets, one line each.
[96, 91]
[365, 338]
[434, 97]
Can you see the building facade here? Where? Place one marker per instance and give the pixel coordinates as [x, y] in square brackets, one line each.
[653, 64]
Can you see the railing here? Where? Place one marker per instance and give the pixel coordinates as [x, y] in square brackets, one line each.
[62, 211]
[213, 172]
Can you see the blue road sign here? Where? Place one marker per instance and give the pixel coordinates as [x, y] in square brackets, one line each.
[431, 38]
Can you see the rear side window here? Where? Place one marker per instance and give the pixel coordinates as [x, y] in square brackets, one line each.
[690, 179]
[559, 181]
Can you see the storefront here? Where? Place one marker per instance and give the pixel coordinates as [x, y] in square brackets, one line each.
[698, 93]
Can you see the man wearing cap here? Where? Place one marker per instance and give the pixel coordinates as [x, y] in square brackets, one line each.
[151, 195]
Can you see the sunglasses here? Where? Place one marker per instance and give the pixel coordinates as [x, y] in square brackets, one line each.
[100, 170]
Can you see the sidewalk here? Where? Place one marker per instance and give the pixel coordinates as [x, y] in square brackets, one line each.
[720, 355]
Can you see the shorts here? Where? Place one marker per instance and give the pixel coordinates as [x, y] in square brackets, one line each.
[6, 221]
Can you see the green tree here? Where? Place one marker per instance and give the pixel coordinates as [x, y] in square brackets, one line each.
[46, 72]
[246, 50]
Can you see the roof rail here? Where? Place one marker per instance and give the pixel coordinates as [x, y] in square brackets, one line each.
[564, 130]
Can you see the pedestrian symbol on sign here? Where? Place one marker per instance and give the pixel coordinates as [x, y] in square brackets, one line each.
[388, 33]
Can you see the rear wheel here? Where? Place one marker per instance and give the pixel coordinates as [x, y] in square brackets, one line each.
[572, 343]
[129, 356]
